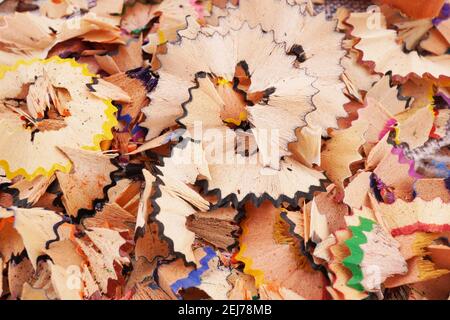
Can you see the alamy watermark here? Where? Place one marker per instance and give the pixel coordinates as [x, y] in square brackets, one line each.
[227, 147]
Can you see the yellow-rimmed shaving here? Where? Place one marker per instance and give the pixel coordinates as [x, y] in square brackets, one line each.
[97, 139]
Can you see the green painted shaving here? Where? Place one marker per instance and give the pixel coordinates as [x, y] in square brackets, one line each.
[353, 261]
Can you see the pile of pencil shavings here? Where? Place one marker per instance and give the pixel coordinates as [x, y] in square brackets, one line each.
[252, 149]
